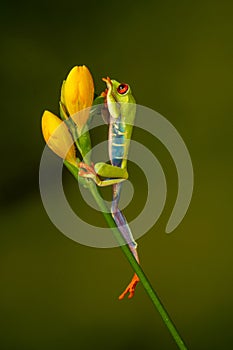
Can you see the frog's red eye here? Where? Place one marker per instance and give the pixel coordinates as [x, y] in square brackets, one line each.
[122, 89]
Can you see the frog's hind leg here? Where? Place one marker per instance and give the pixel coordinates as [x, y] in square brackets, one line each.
[127, 234]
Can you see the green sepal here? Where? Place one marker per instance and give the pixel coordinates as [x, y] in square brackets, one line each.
[73, 169]
[84, 142]
[95, 110]
[98, 100]
[62, 92]
[63, 111]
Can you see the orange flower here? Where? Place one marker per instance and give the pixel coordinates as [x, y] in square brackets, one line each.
[57, 137]
[77, 93]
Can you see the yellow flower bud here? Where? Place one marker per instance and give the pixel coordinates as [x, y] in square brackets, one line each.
[77, 94]
[57, 137]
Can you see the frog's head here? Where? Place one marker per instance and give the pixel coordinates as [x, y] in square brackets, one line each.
[118, 92]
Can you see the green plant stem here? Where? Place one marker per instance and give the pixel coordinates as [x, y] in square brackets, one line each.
[136, 267]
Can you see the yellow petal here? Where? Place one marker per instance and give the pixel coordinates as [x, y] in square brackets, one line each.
[78, 93]
[57, 137]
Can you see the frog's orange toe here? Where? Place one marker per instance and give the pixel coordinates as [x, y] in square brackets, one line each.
[130, 288]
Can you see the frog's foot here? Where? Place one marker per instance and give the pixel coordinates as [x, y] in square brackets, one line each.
[130, 288]
[87, 171]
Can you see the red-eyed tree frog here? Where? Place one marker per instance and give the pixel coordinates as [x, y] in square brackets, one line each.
[121, 108]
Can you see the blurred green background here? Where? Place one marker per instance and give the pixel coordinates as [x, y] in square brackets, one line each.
[177, 57]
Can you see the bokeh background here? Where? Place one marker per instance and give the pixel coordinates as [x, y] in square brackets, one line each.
[177, 57]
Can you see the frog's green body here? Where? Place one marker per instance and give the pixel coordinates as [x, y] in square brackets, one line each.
[122, 109]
